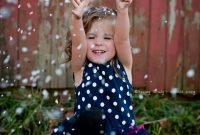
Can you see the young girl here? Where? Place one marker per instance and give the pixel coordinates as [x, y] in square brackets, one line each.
[101, 61]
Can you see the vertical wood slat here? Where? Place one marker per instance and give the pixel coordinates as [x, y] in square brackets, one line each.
[191, 46]
[54, 22]
[140, 41]
[28, 39]
[156, 51]
[8, 45]
[174, 47]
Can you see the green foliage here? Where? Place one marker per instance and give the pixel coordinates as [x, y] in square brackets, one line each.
[163, 114]
[27, 112]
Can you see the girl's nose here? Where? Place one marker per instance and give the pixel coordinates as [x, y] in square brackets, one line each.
[98, 42]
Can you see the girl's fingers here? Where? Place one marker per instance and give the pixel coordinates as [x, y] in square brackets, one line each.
[85, 2]
[79, 2]
[74, 3]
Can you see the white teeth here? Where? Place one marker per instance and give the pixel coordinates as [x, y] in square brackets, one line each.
[99, 51]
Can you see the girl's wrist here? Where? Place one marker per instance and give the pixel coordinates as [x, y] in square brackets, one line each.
[77, 14]
[122, 10]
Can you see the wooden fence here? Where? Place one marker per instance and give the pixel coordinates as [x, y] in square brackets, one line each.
[165, 38]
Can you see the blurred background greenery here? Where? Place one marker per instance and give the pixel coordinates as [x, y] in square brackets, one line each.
[37, 112]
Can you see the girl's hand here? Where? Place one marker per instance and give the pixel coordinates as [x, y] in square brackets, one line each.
[80, 6]
[123, 4]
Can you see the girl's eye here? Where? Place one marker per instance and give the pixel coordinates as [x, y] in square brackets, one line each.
[108, 38]
[90, 37]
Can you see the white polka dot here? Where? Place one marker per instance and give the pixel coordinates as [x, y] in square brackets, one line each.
[100, 77]
[123, 122]
[108, 66]
[88, 78]
[102, 104]
[90, 65]
[133, 122]
[83, 99]
[88, 105]
[121, 88]
[101, 90]
[109, 110]
[128, 93]
[98, 67]
[128, 114]
[110, 77]
[116, 116]
[116, 75]
[88, 83]
[79, 107]
[95, 98]
[124, 73]
[94, 70]
[94, 84]
[122, 109]
[127, 86]
[88, 91]
[124, 101]
[118, 66]
[103, 116]
[131, 107]
[103, 73]
[106, 84]
[113, 90]
[120, 96]
[83, 85]
[124, 80]
[79, 93]
[108, 97]
[115, 103]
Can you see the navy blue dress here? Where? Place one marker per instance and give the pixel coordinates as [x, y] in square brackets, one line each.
[107, 88]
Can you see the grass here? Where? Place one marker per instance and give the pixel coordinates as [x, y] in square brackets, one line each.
[23, 111]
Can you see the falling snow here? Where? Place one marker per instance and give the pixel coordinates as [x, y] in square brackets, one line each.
[19, 110]
[58, 71]
[136, 50]
[48, 79]
[6, 60]
[174, 91]
[12, 1]
[5, 12]
[190, 73]
[45, 94]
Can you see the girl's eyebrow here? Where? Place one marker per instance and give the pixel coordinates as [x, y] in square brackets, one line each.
[109, 35]
[90, 34]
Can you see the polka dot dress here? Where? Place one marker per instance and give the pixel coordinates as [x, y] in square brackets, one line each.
[108, 91]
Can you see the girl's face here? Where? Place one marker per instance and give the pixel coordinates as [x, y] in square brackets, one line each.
[100, 41]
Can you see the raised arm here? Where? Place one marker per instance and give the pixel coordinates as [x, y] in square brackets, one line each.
[122, 29]
[79, 45]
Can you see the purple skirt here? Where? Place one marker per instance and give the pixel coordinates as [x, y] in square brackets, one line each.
[137, 131]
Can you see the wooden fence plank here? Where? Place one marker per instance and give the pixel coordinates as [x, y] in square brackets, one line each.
[174, 47]
[140, 41]
[8, 44]
[54, 24]
[28, 40]
[191, 46]
[156, 51]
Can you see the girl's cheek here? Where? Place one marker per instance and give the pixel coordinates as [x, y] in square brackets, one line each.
[92, 46]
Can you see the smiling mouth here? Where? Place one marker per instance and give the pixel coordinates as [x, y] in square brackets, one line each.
[98, 51]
